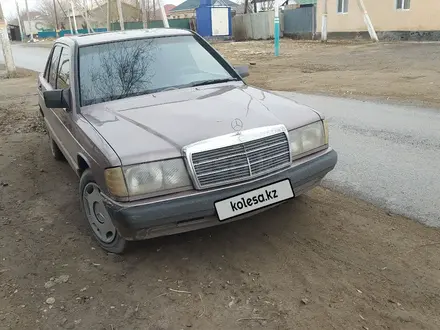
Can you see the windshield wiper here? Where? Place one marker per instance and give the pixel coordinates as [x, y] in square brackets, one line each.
[210, 82]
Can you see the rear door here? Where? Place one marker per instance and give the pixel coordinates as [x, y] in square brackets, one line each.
[47, 83]
[58, 121]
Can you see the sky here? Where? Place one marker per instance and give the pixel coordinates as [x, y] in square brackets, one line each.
[9, 6]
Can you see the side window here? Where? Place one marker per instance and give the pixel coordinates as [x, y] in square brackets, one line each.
[54, 66]
[63, 80]
[47, 68]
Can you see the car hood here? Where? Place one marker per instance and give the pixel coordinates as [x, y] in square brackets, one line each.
[158, 126]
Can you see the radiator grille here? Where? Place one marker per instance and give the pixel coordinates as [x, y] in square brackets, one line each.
[242, 161]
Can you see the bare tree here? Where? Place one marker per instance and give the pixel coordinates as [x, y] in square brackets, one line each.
[46, 9]
[119, 72]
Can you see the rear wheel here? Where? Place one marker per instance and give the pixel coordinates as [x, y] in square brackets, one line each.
[99, 220]
[55, 150]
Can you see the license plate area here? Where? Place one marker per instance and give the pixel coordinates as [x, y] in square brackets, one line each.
[254, 200]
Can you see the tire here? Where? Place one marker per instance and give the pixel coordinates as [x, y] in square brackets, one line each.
[97, 217]
[55, 150]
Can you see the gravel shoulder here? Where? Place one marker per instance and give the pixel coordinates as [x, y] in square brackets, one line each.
[406, 73]
[322, 261]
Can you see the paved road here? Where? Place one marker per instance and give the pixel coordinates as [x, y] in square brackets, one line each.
[28, 57]
[388, 155]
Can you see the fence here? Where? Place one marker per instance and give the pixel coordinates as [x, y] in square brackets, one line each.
[300, 22]
[255, 26]
[179, 23]
[62, 33]
[182, 23]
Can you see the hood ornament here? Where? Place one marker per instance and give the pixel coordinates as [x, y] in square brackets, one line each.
[237, 125]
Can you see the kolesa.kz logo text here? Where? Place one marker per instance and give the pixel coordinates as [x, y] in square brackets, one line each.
[261, 198]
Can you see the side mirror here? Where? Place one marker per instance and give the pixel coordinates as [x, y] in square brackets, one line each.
[243, 71]
[57, 98]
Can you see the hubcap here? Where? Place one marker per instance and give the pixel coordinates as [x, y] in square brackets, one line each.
[97, 214]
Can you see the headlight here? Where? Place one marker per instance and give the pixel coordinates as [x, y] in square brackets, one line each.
[307, 138]
[153, 177]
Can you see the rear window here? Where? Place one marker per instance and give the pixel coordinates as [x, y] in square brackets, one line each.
[123, 69]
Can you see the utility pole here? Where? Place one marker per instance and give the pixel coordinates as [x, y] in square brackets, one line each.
[276, 21]
[85, 16]
[324, 23]
[67, 15]
[74, 18]
[164, 15]
[255, 6]
[121, 15]
[56, 17]
[109, 25]
[29, 21]
[19, 21]
[367, 21]
[6, 45]
[144, 14]
[70, 24]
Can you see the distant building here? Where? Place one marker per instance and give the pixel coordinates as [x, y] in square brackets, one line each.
[158, 14]
[37, 23]
[187, 9]
[392, 19]
[97, 16]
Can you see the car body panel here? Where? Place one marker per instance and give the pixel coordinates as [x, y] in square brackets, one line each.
[158, 126]
[77, 139]
[165, 122]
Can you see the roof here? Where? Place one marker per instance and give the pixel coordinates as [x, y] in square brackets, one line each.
[193, 4]
[34, 15]
[306, 2]
[167, 8]
[103, 37]
[96, 7]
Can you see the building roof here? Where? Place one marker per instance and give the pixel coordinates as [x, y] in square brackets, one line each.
[34, 15]
[97, 6]
[193, 4]
[306, 2]
[167, 8]
[104, 37]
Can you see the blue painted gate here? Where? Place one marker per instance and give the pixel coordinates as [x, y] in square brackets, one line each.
[300, 22]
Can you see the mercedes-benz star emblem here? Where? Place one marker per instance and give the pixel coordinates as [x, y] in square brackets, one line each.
[237, 125]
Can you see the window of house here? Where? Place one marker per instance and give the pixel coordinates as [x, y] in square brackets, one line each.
[63, 80]
[403, 4]
[342, 6]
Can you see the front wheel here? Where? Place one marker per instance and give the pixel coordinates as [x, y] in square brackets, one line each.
[99, 220]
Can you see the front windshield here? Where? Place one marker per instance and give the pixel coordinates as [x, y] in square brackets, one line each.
[122, 69]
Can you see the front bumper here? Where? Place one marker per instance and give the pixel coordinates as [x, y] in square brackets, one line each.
[172, 214]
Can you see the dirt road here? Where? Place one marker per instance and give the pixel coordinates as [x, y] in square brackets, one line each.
[323, 261]
[397, 72]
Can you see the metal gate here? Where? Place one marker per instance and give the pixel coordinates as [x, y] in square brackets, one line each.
[300, 22]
